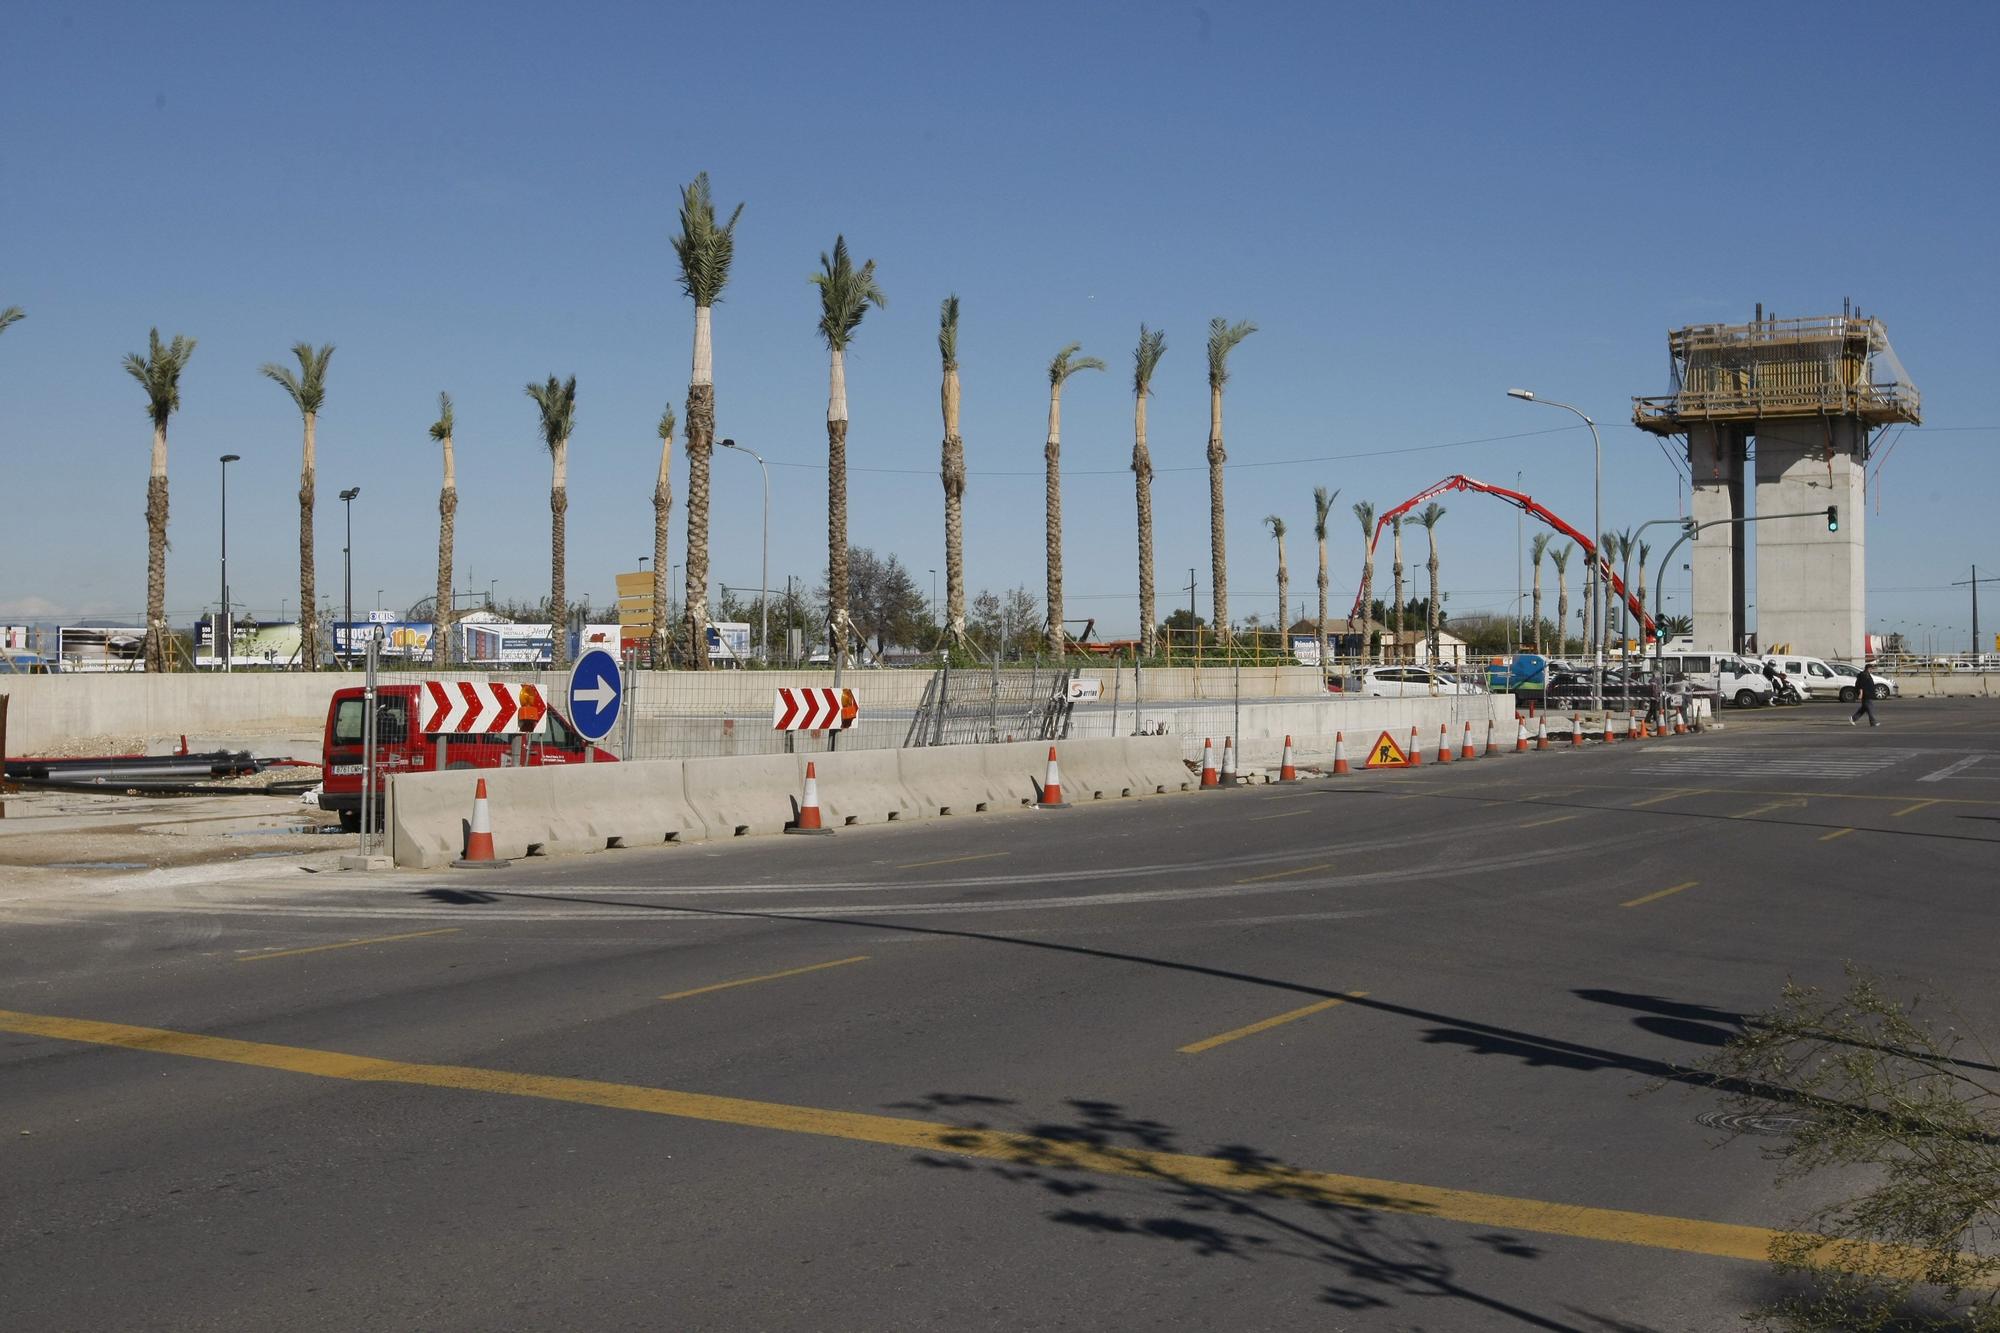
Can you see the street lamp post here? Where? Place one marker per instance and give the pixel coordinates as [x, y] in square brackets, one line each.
[764, 575]
[220, 631]
[1596, 553]
[347, 567]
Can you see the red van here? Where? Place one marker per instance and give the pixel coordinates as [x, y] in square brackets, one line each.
[401, 748]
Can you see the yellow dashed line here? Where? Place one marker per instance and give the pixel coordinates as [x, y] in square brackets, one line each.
[1266, 1024]
[768, 976]
[346, 944]
[1655, 897]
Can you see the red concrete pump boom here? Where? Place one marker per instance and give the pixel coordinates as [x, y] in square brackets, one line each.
[1526, 505]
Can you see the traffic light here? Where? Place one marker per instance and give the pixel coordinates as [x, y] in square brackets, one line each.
[1833, 518]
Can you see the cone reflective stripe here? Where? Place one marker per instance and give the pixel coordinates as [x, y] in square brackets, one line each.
[1228, 761]
[1416, 750]
[808, 820]
[1287, 773]
[1052, 786]
[1491, 748]
[1444, 743]
[1465, 750]
[1542, 732]
[1208, 774]
[479, 834]
[1340, 768]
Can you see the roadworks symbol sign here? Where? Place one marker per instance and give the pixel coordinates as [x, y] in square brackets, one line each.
[1387, 754]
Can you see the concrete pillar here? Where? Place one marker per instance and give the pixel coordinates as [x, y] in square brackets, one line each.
[1812, 585]
[1716, 458]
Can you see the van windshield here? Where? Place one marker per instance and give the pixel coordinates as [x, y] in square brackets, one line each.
[391, 720]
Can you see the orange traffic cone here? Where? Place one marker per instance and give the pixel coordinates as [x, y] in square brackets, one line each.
[1444, 743]
[1340, 768]
[1681, 721]
[1229, 761]
[1465, 750]
[1491, 748]
[1052, 787]
[1287, 773]
[1416, 750]
[479, 835]
[1520, 734]
[1542, 732]
[808, 820]
[1609, 739]
[1208, 774]
[1575, 732]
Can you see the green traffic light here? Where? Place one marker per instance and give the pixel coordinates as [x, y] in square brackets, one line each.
[1833, 518]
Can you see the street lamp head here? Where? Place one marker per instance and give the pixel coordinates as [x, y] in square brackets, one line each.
[729, 444]
[1526, 395]
[232, 458]
[350, 492]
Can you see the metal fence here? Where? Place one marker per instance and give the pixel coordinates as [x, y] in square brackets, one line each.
[972, 707]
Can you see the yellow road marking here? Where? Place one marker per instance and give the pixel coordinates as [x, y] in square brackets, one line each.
[1265, 1025]
[1663, 796]
[1289, 814]
[768, 976]
[1281, 874]
[1687, 1235]
[1539, 823]
[1790, 803]
[951, 860]
[1912, 809]
[1654, 897]
[1837, 833]
[345, 944]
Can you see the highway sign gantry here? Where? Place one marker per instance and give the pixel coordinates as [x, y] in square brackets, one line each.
[596, 692]
[814, 710]
[480, 708]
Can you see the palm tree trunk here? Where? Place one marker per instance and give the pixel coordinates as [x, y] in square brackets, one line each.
[700, 447]
[1562, 613]
[663, 508]
[836, 504]
[1322, 605]
[1367, 588]
[953, 476]
[1538, 606]
[1398, 528]
[308, 580]
[1142, 473]
[1052, 519]
[1431, 611]
[156, 555]
[1218, 547]
[445, 612]
[558, 558]
[1284, 599]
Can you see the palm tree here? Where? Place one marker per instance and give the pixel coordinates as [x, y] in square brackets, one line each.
[1608, 609]
[1538, 548]
[1429, 517]
[705, 252]
[1064, 364]
[1145, 360]
[1396, 527]
[1278, 530]
[159, 374]
[308, 393]
[1322, 506]
[1645, 550]
[663, 507]
[1222, 340]
[1561, 562]
[1364, 510]
[952, 473]
[13, 314]
[447, 531]
[845, 293]
[557, 401]
[1625, 549]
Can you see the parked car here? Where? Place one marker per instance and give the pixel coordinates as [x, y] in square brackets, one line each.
[1886, 687]
[1623, 689]
[1407, 682]
[401, 748]
[1730, 677]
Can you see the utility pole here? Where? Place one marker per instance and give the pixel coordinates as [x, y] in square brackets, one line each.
[1973, 583]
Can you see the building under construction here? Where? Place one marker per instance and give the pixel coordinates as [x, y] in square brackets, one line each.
[1805, 399]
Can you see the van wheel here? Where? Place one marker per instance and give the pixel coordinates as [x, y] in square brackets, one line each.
[1847, 694]
[350, 821]
[1746, 699]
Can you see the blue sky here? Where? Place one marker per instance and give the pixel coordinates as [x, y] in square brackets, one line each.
[1418, 205]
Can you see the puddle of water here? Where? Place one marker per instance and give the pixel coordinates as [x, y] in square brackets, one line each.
[98, 865]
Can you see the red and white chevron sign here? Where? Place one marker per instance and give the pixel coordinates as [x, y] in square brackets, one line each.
[813, 710]
[466, 708]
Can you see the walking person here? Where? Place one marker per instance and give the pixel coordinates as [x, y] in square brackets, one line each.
[1864, 690]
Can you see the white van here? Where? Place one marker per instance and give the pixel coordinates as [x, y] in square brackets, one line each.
[1813, 676]
[1733, 679]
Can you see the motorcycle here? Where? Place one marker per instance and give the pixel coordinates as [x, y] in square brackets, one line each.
[1784, 691]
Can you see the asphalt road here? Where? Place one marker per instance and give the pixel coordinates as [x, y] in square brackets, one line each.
[1362, 1053]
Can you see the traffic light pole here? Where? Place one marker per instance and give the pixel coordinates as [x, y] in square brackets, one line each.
[1691, 531]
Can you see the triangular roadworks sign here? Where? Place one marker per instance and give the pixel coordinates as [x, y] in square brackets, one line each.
[1385, 753]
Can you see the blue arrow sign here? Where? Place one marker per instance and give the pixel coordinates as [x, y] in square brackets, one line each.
[595, 691]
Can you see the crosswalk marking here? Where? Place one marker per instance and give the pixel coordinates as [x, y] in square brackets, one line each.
[1816, 763]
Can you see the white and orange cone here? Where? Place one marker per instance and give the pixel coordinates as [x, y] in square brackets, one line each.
[1465, 750]
[1444, 743]
[1520, 734]
[1209, 777]
[1416, 749]
[1542, 732]
[1491, 748]
[1609, 738]
[1286, 772]
[1229, 761]
[479, 834]
[1052, 787]
[1340, 768]
[1681, 721]
[808, 820]
[1575, 732]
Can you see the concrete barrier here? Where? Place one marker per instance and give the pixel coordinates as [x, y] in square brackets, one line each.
[951, 780]
[1097, 770]
[427, 813]
[1015, 768]
[593, 807]
[861, 787]
[746, 794]
[1156, 765]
